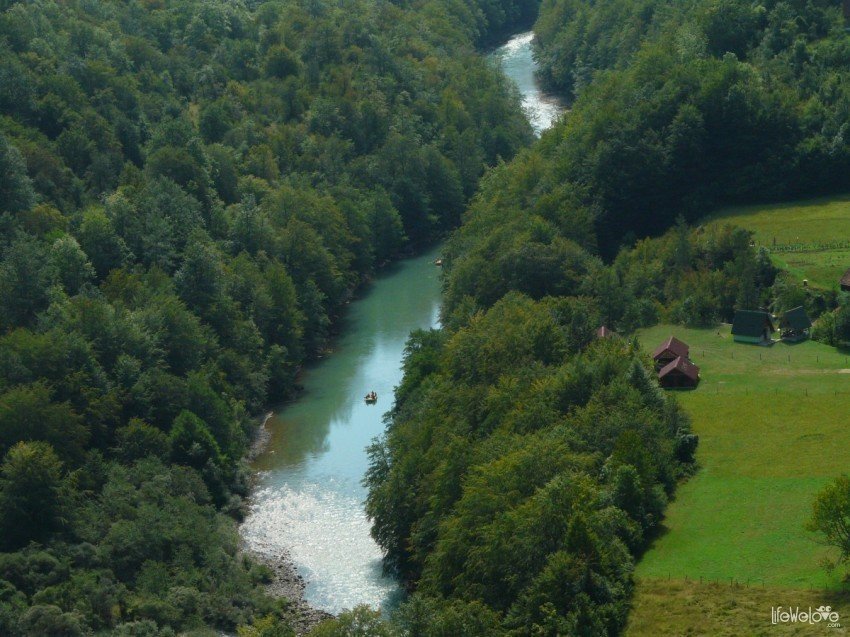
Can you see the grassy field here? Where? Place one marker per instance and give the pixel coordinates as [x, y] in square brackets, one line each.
[720, 610]
[773, 431]
[817, 228]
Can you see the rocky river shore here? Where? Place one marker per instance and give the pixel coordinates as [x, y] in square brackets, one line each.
[285, 581]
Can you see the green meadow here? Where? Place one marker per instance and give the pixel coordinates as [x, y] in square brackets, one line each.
[819, 230]
[773, 427]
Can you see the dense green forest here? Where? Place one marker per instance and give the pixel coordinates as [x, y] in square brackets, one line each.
[190, 191]
[526, 462]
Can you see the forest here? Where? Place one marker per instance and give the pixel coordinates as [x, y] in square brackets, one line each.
[190, 192]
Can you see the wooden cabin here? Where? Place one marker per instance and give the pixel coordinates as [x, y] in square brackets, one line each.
[845, 282]
[752, 326]
[668, 351]
[679, 373]
[795, 325]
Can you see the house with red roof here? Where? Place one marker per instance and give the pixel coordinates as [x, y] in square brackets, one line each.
[668, 351]
[679, 373]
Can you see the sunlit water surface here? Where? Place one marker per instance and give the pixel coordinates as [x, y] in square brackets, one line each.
[310, 498]
[517, 61]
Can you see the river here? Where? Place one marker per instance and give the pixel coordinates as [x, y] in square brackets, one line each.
[517, 62]
[309, 499]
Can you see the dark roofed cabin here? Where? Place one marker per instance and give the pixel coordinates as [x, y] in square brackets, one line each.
[670, 350]
[795, 325]
[679, 373]
[752, 326]
[845, 282]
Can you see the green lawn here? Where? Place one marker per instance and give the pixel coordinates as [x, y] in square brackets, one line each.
[773, 426]
[808, 223]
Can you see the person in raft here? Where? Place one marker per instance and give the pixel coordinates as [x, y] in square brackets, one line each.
[371, 397]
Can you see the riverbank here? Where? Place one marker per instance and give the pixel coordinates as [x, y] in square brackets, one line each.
[285, 582]
[306, 505]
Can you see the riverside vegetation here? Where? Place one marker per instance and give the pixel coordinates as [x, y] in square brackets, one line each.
[189, 193]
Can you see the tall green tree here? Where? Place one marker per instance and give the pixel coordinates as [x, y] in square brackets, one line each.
[32, 502]
[16, 190]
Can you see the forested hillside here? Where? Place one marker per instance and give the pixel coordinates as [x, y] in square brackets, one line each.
[682, 107]
[527, 462]
[190, 191]
[710, 103]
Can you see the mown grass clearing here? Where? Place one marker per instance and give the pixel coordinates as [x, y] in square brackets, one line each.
[810, 239]
[773, 431]
[691, 608]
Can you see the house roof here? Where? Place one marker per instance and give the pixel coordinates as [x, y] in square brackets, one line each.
[674, 346]
[604, 332]
[796, 319]
[681, 365]
[750, 322]
[845, 280]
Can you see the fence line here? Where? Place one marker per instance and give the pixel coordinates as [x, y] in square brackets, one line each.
[809, 247]
[750, 582]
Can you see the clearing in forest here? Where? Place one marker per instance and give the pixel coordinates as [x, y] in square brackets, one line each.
[810, 239]
[773, 427]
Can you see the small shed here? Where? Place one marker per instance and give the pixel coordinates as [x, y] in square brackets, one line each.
[752, 326]
[670, 350]
[679, 373]
[604, 332]
[845, 281]
[795, 325]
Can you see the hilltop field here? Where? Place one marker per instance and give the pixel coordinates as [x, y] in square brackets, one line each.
[773, 431]
[810, 239]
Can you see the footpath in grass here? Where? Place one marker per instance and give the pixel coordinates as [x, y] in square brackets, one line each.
[810, 239]
[773, 426]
